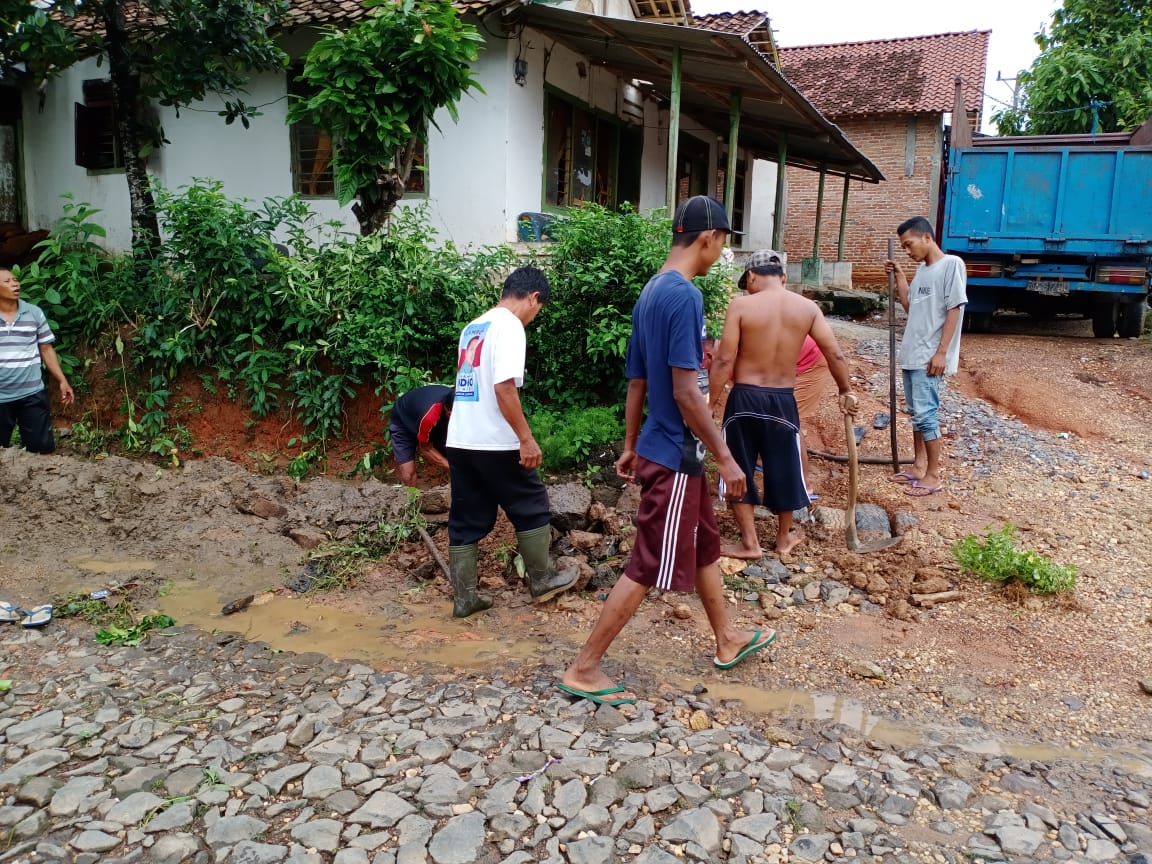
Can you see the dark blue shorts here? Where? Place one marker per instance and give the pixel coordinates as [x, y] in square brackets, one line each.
[762, 424]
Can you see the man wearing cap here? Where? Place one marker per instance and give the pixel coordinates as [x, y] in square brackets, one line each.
[419, 424]
[677, 541]
[763, 336]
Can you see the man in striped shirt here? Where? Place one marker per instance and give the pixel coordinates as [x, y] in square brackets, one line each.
[26, 345]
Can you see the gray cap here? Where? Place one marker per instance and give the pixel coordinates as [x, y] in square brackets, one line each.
[762, 258]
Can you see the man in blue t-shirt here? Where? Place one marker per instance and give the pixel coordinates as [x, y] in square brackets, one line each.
[677, 541]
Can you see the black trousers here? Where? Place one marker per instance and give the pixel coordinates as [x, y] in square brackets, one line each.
[34, 419]
[483, 480]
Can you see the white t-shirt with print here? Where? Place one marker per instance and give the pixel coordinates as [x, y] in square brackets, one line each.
[491, 350]
[935, 290]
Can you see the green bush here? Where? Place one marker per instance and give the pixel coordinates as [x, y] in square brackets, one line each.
[996, 558]
[599, 264]
[569, 438]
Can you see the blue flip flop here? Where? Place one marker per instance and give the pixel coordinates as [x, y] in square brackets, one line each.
[37, 617]
[597, 696]
[754, 645]
[10, 613]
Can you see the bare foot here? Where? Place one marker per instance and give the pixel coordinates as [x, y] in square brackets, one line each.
[739, 550]
[795, 538]
[734, 643]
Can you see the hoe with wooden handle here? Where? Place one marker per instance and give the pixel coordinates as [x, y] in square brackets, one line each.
[854, 544]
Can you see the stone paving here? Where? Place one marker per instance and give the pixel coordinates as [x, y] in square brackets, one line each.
[204, 748]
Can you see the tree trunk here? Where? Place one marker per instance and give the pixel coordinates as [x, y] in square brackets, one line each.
[126, 92]
[373, 213]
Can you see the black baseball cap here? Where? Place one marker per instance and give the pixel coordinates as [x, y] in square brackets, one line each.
[701, 213]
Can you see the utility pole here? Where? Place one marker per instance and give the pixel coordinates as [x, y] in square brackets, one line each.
[1015, 89]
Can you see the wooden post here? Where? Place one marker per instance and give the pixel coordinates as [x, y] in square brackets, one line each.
[843, 219]
[673, 132]
[733, 146]
[781, 179]
[819, 212]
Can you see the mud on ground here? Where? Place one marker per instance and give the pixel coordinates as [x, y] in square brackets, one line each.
[989, 667]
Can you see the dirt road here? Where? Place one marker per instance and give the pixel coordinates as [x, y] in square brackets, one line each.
[1048, 432]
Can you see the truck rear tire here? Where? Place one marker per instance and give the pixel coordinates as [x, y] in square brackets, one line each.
[1132, 319]
[1104, 320]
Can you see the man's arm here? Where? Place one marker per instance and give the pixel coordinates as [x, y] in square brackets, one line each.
[698, 417]
[633, 417]
[720, 371]
[431, 454]
[52, 364]
[508, 398]
[901, 282]
[940, 358]
[837, 363]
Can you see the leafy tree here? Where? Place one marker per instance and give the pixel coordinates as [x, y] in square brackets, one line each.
[376, 86]
[1094, 72]
[167, 52]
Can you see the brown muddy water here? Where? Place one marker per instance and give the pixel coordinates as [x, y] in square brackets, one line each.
[416, 636]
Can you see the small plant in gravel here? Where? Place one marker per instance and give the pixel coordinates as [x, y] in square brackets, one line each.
[996, 558]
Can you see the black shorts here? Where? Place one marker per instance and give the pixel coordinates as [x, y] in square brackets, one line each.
[762, 424]
[31, 415]
[483, 480]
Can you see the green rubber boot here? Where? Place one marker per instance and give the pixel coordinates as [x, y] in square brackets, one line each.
[462, 566]
[544, 580]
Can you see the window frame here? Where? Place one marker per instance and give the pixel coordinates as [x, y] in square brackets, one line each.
[95, 119]
[598, 116]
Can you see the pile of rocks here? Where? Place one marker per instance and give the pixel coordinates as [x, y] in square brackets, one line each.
[197, 749]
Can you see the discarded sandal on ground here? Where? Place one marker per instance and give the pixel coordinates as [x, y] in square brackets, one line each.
[10, 613]
[754, 645]
[597, 696]
[37, 617]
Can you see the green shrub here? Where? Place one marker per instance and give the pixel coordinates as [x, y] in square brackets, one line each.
[599, 264]
[569, 438]
[996, 558]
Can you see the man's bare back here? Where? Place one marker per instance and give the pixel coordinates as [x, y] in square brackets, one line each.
[772, 326]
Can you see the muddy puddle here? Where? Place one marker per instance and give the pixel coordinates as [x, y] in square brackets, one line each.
[421, 636]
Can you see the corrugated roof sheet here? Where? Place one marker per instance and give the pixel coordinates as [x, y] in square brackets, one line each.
[887, 76]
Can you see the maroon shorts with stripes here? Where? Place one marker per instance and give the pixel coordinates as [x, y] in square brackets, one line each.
[675, 528]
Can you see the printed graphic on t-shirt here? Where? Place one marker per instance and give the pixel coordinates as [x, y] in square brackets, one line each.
[471, 348]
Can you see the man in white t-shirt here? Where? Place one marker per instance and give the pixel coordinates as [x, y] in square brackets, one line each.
[930, 348]
[491, 451]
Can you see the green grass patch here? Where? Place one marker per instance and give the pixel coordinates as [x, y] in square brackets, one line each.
[996, 558]
[570, 439]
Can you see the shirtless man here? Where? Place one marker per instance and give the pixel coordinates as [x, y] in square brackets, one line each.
[763, 334]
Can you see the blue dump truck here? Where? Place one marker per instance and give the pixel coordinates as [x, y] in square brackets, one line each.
[1050, 225]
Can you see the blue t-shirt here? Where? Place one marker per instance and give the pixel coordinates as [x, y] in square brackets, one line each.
[667, 332]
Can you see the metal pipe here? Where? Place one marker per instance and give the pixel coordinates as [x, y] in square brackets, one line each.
[673, 132]
[733, 145]
[892, 358]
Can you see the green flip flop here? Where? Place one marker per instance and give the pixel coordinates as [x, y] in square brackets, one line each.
[597, 696]
[754, 645]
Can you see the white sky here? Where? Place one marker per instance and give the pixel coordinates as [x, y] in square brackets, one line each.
[1013, 24]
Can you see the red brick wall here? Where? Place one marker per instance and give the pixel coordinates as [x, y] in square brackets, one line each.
[874, 211]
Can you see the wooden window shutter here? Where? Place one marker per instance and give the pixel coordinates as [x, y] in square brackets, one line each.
[88, 122]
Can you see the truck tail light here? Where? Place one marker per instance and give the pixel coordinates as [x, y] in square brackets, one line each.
[984, 269]
[1122, 275]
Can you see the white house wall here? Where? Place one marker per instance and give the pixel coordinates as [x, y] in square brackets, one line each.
[482, 171]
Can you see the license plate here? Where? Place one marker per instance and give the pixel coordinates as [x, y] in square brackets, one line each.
[1052, 289]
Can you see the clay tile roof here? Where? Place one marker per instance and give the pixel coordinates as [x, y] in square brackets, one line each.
[753, 26]
[915, 75]
[300, 13]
